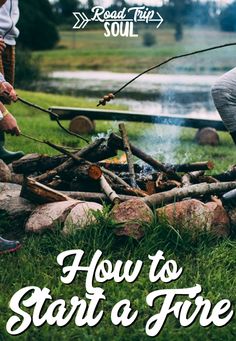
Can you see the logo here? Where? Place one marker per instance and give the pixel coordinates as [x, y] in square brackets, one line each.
[118, 23]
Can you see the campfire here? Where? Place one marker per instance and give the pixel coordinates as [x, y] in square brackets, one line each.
[70, 186]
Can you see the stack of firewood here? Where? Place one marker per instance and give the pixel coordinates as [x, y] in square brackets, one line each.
[89, 175]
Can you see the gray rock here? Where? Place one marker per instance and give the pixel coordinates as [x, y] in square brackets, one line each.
[49, 215]
[131, 215]
[81, 216]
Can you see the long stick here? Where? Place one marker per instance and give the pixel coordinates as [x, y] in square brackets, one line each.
[53, 114]
[128, 153]
[193, 191]
[169, 60]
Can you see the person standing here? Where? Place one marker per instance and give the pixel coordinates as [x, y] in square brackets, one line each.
[7, 124]
[9, 16]
[224, 96]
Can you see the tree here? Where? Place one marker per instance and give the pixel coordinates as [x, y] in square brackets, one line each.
[66, 7]
[37, 25]
[228, 18]
[178, 9]
[91, 4]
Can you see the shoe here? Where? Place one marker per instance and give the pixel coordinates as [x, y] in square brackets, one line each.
[7, 156]
[9, 246]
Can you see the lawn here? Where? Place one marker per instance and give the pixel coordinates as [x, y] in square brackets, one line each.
[90, 50]
[206, 261]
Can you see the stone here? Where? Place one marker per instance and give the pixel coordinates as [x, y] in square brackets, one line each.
[14, 211]
[207, 136]
[5, 173]
[197, 216]
[47, 216]
[220, 222]
[131, 215]
[81, 216]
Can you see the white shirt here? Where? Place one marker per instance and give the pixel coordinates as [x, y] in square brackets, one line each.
[9, 16]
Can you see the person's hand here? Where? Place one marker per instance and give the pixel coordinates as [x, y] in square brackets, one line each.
[9, 125]
[2, 2]
[2, 45]
[9, 90]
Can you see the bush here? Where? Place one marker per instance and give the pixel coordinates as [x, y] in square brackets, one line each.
[37, 26]
[149, 39]
[28, 70]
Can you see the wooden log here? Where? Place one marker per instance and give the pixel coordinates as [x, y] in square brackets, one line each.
[123, 167]
[207, 137]
[83, 171]
[95, 197]
[66, 113]
[96, 151]
[186, 180]
[128, 153]
[194, 191]
[208, 179]
[150, 187]
[230, 175]
[82, 125]
[191, 167]
[116, 142]
[33, 163]
[110, 193]
[40, 194]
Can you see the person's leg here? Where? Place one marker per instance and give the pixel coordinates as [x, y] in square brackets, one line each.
[9, 246]
[224, 96]
[7, 68]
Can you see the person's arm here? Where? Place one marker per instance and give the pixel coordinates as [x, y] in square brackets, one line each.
[2, 2]
[8, 122]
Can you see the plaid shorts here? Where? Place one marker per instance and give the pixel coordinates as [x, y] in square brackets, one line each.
[7, 67]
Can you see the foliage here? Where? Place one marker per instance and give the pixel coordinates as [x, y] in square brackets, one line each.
[28, 69]
[37, 25]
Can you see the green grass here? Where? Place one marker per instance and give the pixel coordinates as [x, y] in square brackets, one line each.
[206, 261]
[82, 50]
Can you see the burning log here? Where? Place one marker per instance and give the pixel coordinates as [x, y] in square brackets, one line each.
[116, 142]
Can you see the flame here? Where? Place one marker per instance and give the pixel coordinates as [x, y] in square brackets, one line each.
[117, 160]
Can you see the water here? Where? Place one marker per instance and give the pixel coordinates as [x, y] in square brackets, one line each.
[155, 94]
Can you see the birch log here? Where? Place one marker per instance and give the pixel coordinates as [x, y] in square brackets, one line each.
[194, 191]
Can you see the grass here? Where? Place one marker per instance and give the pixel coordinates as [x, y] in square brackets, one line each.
[82, 50]
[206, 261]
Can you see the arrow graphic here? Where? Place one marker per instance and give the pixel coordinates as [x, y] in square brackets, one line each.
[82, 20]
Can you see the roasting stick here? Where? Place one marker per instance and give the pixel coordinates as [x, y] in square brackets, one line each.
[111, 96]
